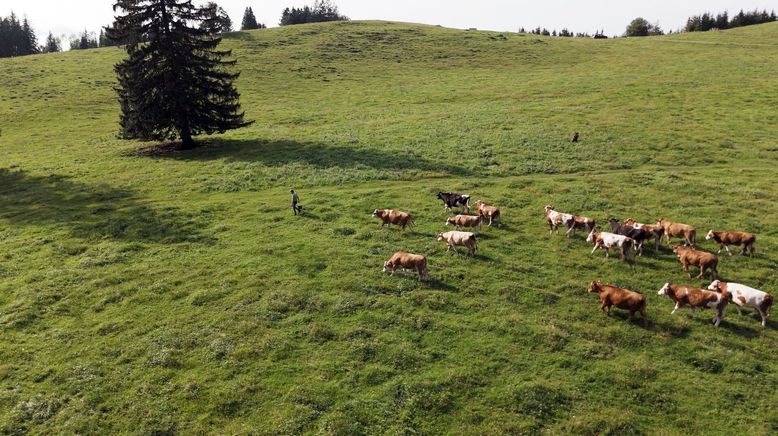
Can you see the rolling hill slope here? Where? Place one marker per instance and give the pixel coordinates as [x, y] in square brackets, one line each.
[148, 291]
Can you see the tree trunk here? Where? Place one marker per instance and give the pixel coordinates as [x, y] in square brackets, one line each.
[187, 143]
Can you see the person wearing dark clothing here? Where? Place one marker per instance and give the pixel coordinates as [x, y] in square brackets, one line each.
[295, 199]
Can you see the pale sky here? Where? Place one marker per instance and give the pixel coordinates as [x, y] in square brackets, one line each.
[72, 16]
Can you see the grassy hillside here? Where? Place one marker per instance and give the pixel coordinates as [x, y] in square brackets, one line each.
[162, 292]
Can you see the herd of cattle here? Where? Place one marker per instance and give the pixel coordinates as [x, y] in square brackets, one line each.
[627, 237]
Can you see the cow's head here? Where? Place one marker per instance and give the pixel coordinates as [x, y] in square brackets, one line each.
[715, 286]
[709, 236]
[440, 195]
[388, 266]
[665, 289]
[548, 208]
[630, 222]
[594, 286]
[660, 222]
[449, 221]
[591, 236]
[440, 237]
[378, 213]
[678, 249]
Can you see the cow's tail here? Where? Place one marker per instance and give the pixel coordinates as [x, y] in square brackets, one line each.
[693, 237]
[475, 241]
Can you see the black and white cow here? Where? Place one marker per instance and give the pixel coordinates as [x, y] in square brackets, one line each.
[639, 235]
[451, 200]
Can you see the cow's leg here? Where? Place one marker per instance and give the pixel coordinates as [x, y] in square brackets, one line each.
[677, 306]
[764, 316]
[686, 269]
[593, 249]
[669, 239]
[603, 304]
[643, 313]
[726, 247]
[739, 312]
[719, 316]
[631, 315]
[694, 312]
[702, 272]
[607, 252]
[569, 230]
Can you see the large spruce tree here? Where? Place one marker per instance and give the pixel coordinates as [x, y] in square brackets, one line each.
[249, 20]
[174, 84]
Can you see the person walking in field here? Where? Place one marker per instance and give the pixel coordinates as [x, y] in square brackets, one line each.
[295, 199]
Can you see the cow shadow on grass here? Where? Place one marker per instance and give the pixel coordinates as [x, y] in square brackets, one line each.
[637, 321]
[280, 153]
[439, 285]
[740, 330]
[669, 328]
[91, 212]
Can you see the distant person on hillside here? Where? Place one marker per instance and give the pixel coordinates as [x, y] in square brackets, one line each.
[295, 199]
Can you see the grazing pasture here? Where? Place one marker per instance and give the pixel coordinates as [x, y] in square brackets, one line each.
[146, 290]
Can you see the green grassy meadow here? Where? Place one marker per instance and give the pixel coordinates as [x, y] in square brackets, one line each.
[158, 292]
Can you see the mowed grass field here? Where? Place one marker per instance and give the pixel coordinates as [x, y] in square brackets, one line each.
[174, 293]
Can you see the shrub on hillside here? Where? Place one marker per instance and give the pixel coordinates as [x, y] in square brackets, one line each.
[641, 27]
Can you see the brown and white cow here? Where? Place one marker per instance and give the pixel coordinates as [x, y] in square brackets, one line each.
[555, 219]
[678, 230]
[606, 241]
[580, 223]
[461, 221]
[391, 216]
[655, 231]
[703, 259]
[401, 259]
[459, 239]
[743, 295]
[697, 298]
[622, 298]
[484, 210]
[725, 239]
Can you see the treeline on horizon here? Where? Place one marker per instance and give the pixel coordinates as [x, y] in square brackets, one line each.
[17, 37]
[707, 21]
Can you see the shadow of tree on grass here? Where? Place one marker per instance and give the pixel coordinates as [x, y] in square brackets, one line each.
[279, 153]
[91, 212]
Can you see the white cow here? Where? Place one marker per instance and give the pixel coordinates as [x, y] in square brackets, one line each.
[556, 219]
[607, 241]
[743, 295]
[455, 239]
